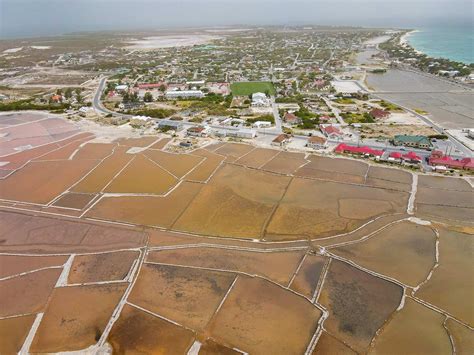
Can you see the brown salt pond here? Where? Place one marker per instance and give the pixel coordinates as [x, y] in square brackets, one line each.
[66, 151]
[138, 332]
[177, 164]
[285, 163]
[444, 213]
[317, 209]
[257, 157]
[187, 296]
[142, 176]
[235, 194]
[450, 287]
[234, 151]
[76, 317]
[445, 198]
[404, 251]
[96, 151]
[335, 165]
[41, 182]
[147, 210]
[13, 265]
[463, 337]
[327, 344]
[306, 280]
[443, 182]
[210, 347]
[414, 329]
[277, 266]
[262, 318]
[74, 200]
[101, 267]
[137, 142]
[358, 304]
[161, 143]
[204, 171]
[32, 234]
[104, 172]
[13, 333]
[37, 286]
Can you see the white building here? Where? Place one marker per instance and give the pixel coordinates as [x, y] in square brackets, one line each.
[259, 99]
[184, 94]
[242, 133]
[262, 124]
[121, 88]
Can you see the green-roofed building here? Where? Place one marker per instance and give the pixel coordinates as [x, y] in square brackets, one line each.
[421, 142]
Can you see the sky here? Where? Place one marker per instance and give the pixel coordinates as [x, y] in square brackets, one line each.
[25, 18]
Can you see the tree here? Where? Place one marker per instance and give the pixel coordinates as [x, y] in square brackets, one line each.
[148, 97]
[162, 88]
[68, 93]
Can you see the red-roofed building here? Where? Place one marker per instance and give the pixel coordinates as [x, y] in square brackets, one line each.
[56, 98]
[366, 151]
[395, 156]
[148, 86]
[331, 132]
[291, 118]
[412, 157]
[378, 113]
[437, 158]
[281, 140]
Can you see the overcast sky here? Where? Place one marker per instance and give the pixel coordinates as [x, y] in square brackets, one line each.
[39, 17]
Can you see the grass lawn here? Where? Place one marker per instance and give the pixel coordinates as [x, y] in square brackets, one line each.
[249, 88]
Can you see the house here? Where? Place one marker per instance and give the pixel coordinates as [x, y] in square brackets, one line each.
[259, 99]
[363, 151]
[378, 114]
[332, 132]
[197, 131]
[438, 159]
[175, 94]
[56, 98]
[316, 142]
[411, 158]
[127, 106]
[262, 124]
[242, 133]
[412, 141]
[292, 119]
[140, 121]
[395, 157]
[281, 140]
[121, 88]
[170, 125]
[218, 88]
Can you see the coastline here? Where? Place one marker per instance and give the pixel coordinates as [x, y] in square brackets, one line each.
[405, 41]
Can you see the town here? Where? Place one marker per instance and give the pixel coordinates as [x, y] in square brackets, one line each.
[297, 89]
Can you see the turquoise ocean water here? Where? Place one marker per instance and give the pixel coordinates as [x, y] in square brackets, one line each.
[455, 43]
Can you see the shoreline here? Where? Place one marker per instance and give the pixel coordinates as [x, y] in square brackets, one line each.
[405, 41]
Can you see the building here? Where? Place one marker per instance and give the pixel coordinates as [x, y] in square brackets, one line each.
[175, 94]
[218, 88]
[121, 88]
[409, 158]
[332, 132]
[292, 119]
[197, 131]
[140, 121]
[363, 151]
[242, 133]
[262, 124]
[152, 86]
[127, 106]
[281, 140]
[259, 99]
[378, 114]
[315, 142]
[170, 125]
[421, 142]
[438, 159]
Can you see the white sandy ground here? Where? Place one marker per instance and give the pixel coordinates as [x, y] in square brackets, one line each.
[40, 47]
[150, 43]
[13, 50]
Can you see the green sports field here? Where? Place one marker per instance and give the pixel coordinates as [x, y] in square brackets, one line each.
[249, 88]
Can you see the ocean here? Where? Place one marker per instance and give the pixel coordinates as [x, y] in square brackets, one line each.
[455, 43]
